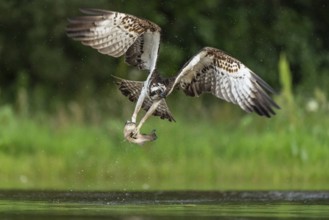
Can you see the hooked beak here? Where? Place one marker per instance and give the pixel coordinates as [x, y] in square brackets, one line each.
[163, 95]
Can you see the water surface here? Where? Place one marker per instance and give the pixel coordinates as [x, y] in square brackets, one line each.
[165, 205]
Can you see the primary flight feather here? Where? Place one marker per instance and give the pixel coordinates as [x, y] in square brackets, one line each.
[209, 71]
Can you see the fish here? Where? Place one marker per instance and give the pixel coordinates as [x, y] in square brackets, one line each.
[137, 138]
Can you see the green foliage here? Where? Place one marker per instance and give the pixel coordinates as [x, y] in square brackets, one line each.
[218, 153]
[286, 84]
[61, 117]
[33, 41]
[285, 78]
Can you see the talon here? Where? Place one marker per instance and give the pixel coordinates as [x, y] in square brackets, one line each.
[130, 123]
[130, 130]
[134, 134]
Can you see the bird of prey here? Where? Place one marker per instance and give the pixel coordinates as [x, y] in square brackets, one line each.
[209, 71]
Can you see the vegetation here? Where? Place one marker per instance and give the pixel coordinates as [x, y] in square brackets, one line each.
[212, 153]
[61, 117]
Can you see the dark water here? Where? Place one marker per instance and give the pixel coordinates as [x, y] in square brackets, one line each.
[164, 205]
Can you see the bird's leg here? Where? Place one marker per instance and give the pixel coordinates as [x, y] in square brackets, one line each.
[146, 116]
[138, 105]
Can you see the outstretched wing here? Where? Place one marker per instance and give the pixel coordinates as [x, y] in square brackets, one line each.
[132, 90]
[115, 34]
[213, 71]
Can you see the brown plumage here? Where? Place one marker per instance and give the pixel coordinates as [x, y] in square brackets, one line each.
[132, 90]
[209, 71]
[213, 71]
[116, 34]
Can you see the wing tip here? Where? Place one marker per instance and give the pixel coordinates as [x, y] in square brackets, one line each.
[264, 101]
[265, 106]
[262, 83]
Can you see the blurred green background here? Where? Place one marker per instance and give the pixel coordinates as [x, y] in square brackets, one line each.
[62, 117]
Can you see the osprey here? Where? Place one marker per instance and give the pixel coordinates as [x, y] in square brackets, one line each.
[209, 71]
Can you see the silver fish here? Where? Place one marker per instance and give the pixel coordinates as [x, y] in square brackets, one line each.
[138, 138]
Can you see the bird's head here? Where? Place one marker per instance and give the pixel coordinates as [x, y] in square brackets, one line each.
[158, 91]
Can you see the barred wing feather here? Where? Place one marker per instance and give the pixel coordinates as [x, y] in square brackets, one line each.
[132, 90]
[213, 71]
[116, 34]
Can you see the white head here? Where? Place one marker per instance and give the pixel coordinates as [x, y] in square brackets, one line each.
[157, 90]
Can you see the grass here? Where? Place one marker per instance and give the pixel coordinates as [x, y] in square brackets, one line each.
[220, 149]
